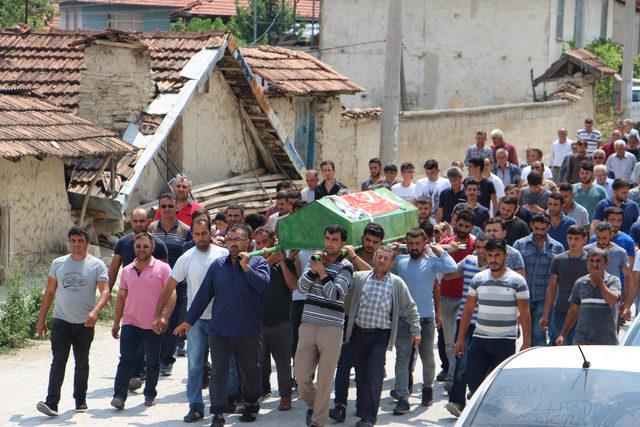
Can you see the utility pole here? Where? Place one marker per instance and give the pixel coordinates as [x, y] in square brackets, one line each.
[255, 21]
[627, 60]
[392, 72]
[26, 12]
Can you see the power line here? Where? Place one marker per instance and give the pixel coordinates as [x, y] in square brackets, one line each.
[348, 45]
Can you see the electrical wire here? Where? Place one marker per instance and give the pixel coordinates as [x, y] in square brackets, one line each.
[269, 27]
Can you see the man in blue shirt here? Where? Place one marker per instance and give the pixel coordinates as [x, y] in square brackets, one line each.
[559, 222]
[419, 270]
[236, 321]
[618, 199]
[614, 216]
[538, 249]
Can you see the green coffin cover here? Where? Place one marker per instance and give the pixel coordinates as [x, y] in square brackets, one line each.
[304, 229]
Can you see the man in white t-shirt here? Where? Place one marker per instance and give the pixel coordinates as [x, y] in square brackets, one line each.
[192, 266]
[432, 185]
[406, 189]
[533, 155]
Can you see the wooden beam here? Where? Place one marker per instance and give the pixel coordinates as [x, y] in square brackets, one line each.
[85, 201]
[264, 152]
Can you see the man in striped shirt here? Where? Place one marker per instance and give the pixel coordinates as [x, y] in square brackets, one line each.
[467, 269]
[325, 282]
[590, 135]
[500, 294]
[593, 303]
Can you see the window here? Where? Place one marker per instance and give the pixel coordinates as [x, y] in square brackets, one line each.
[604, 17]
[71, 19]
[560, 20]
[125, 21]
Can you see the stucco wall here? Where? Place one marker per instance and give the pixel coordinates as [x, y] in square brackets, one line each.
[115, 86]
[35, 194]
[212, 139]
[445, 135]
[457, 53]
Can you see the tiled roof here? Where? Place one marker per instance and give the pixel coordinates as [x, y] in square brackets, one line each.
[573, 61]
[50, 62]
[304, 8]
[295, 72]
[30, 126]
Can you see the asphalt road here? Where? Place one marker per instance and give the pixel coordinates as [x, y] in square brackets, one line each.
[24, 376]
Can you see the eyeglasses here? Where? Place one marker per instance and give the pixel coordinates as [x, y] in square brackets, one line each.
[143, 246]
[235, 239]
[167, 206]
[182, 186]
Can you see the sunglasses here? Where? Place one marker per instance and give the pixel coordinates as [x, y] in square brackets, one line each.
[167, 206]
[143, 246]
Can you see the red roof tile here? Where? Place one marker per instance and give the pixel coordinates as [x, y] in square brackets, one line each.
[304, 8]
[50, 62]
[295, 72]
[30, 126]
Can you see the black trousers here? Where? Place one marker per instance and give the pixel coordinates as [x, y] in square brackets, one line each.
[64, 337]
[297, 307]
[246, 351]
[276, 341]
[369, 348]
[170, 341]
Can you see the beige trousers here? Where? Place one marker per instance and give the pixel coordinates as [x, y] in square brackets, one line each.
[318, 346]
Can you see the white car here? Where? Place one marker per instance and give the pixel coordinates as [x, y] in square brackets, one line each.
[632, 336]
[550, 386]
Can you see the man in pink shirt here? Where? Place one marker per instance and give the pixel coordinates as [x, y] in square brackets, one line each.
[185, 205]
[497, 136]
[141, 283]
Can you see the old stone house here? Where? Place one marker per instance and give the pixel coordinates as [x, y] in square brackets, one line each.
[37, 140]
[190, 102]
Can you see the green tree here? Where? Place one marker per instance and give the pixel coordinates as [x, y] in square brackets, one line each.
[275, 18]
[12, 13]
[611, 54]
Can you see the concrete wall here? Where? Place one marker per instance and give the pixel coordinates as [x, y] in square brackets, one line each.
[445, 135]
[34, 192]
[115, 86]
[457, 53]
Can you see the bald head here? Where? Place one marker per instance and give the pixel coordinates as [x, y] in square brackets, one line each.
[139, 220]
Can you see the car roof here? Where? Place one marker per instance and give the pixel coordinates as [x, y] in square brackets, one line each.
[603, 357]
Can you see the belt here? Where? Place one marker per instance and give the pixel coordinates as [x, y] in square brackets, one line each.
[369, 330]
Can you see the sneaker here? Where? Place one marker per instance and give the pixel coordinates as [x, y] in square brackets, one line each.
[149, 401]
[393, 394]
[448, 385]
[181, 352]
[193, 416]
[265, 395]
[454, 409]
[217, 421]
[117, 403]
[441, 376]
[308, 416]
[81, 405]
[165, 371]
[135, 383]
[285, 403]
[427, 396]
[48, 409]
[402, 407]
[339, 413]
[364, 424]
[250, 412]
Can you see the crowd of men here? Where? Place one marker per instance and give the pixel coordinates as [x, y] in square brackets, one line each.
[541, 252]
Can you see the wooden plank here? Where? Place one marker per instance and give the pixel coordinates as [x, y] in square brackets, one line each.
[224, 182]
[267, 179]
[237, 188]
[239, 198]
[264, 153]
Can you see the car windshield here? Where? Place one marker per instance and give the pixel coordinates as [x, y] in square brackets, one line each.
[633, 339]
[561, 397]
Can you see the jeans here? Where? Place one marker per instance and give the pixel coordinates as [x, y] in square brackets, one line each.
[538, 335]
[130, 338]
[64, 337]
[457, 393]
[484, 354]
[197, 338]
[246, 351]
[170, 341]
[343, 370]
[556, 324]
[449, 309]
[404, 350]
[369, 348]
[276, 341]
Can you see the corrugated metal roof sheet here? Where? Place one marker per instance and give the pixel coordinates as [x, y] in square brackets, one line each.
[30, 126]
[295, 72]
